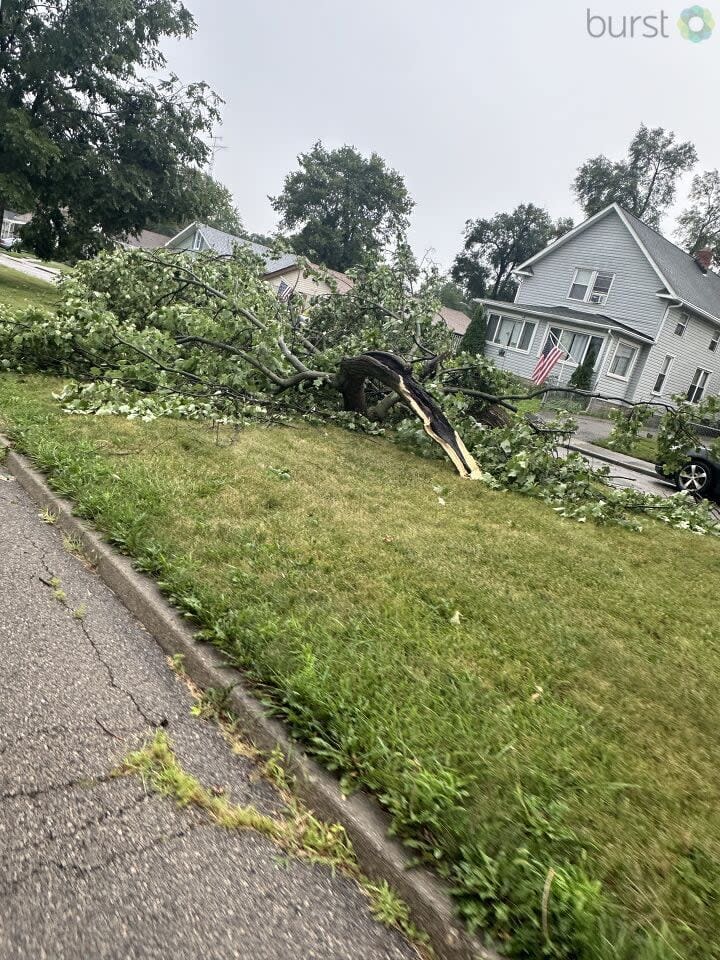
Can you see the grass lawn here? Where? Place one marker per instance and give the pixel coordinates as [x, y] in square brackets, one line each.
[19, 290]
[645, 448]
[502, 678]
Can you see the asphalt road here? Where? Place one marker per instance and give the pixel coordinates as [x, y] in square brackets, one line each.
[94, 866]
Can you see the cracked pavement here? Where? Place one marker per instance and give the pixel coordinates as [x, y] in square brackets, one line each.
[92, 865]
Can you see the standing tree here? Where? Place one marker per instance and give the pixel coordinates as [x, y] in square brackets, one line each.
[93, 142]
[450, 295]
[473, 340]
[699, 224]
[644, 182]
[205, 199]
[345, 207]
[495, 247]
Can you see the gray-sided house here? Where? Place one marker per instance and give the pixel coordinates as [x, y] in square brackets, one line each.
[198, 237]
[646, 312]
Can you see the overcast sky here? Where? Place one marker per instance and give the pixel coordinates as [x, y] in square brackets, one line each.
[480, 105]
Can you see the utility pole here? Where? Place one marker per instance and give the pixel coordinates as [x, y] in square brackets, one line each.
[215, 145]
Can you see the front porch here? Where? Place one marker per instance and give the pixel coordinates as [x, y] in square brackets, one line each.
[518, 336]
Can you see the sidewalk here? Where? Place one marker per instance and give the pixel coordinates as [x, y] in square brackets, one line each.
[31, 268]
[97, 866]
[610, 456]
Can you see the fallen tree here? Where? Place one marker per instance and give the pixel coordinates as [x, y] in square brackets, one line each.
[210, 328]
[148, 334]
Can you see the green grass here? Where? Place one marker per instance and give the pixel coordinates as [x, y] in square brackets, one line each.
[502, 678]
[644, 448]
[19, 290]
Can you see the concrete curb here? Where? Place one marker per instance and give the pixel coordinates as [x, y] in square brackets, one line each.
[600, 453]
[366, 824]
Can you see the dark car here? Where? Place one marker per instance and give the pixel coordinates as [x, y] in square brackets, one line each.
[700, 476]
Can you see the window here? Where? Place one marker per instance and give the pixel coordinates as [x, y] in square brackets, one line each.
[513, 332]
[662, 376]
[714, 343]
[681, 326]
[575, 345]
[197, 240]
[591, 286]
[580, 285]
[623, 360]
[697, 387]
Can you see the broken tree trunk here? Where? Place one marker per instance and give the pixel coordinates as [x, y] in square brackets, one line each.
[396, 375]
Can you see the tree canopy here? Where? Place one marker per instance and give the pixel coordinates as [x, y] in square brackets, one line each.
[699, 223]
[452, 296]
[495, 247]
[344, 208]
[202, 198]
[94, 139]
[645, 182]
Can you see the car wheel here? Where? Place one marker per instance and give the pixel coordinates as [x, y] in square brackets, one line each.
[695, 478]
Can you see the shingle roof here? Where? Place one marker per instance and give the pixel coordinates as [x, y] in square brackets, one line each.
[224, 244]
[456, 320]
[146, 240]
[686, 278]
[582, 317]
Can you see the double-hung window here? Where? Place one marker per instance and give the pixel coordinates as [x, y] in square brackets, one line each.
[714, 343]
[663, 375]
[681, 325]
[623, 360]
[591, 286]
[197, 240]
[576, 345]
[697, 387]
[513, 332]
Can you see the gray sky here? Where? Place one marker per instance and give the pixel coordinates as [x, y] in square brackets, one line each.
[479, 105]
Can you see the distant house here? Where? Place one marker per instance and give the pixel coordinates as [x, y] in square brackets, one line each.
[456, 321]
[145, 240]
[12, 222]
[614, 290]
[198, 237]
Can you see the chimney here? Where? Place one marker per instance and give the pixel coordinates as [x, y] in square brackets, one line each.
[703, 258]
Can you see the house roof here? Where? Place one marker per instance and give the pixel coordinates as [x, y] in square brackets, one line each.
[14, 217]
[146, 240]
[680, 276]
[685, 278]
[224, 244]
[455, 320]
[599, 321]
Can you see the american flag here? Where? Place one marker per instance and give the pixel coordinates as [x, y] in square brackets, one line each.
[546, 363]
[285, 291]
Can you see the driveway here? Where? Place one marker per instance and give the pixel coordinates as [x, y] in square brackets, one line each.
[32, 268]
[624, 475]
[96, 865]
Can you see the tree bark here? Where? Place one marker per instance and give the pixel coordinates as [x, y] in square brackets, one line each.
[396, 375]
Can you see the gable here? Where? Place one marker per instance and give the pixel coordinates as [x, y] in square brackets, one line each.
[606, 244]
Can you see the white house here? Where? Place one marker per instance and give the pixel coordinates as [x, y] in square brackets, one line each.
[615, 289]
[11, 223]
